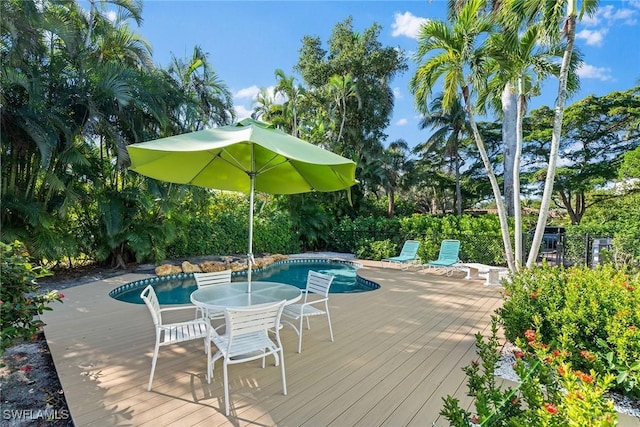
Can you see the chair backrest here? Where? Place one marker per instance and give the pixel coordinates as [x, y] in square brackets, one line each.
[150, 298]
[410, 249]
[449, 250]
[318, 283]
[212, 278]
[247, 320]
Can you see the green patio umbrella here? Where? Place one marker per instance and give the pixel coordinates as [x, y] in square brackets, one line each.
[246, 157]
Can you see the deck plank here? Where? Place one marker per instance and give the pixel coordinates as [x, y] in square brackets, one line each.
[397, 351]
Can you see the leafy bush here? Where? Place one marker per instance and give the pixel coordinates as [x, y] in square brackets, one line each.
[550, 392]
[593, 315]
[220, 226]
[480, 236]
[377, 250]
[20, 304]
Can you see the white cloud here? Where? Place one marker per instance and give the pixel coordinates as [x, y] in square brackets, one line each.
[587, 71]
[397, 93]
[242, 112]
[593, 38]
[609, 15]
[247, 92]
[402, 122]
[407, 24]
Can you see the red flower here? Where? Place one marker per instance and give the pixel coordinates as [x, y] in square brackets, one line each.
[561, 370]
[586, 378]
[26, 368]
[475, 419]
[534, 296]
[551, 408]
[587, 355]
[61, 296]
[556, 353]
[530, 335]
[518, 354]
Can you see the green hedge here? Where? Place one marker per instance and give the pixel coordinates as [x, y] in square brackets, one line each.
[222, 228]
[377, 238]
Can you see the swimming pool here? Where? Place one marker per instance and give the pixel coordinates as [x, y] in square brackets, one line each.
[176, 288]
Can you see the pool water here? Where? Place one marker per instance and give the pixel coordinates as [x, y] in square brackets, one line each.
[176, 289]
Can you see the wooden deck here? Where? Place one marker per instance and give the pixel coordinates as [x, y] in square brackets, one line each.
[397, 352]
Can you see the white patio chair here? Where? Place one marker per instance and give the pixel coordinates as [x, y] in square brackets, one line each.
[247, 338]
[212, 279]
[316, 292]
[171, 333]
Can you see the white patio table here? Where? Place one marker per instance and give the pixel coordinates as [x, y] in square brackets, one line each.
[235, 295]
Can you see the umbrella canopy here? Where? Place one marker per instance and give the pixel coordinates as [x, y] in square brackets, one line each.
[246, 157]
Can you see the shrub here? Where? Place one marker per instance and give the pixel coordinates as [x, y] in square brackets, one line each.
[550, 392]
[480, 237]
[592, 315]
[377, 250]
[20, 304]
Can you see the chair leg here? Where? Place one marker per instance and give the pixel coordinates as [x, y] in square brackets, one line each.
[300, 335]
[326, 307]
[153, 361]
[226, 387]
[284, 378]
[209, 370]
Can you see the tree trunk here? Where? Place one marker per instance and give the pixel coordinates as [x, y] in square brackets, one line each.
[555, 139]
[458, 189]
[392, 205]
[517, 209]
[502, 214]
[509, 135]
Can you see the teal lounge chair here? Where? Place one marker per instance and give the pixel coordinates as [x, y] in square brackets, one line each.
[448, 256]
[408, 254]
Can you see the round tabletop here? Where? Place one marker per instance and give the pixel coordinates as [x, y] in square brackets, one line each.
[235, 295]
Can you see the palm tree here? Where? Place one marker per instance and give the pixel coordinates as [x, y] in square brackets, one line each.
[263, 105]
[397, 167]
[551, 15]
[523, 60]
[449, 129]
[286, 87]
[207, 100]
[456, 54]
[343, 88]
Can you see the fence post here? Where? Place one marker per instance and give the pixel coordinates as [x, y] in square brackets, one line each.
[586, 250]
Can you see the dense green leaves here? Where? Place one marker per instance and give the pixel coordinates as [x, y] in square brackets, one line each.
[20, 302]
[584, 312]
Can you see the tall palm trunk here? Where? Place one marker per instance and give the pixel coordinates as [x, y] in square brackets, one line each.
[458, 188]
[517, 209]
[502, 214]
[509, 124]
[570, 26]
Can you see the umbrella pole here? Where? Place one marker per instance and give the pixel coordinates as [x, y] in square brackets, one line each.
[250, 260]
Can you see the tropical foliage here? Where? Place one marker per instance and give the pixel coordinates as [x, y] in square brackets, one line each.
[77, 86]
[20, 301]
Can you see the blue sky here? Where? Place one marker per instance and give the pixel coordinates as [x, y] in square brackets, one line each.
[248, 40]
